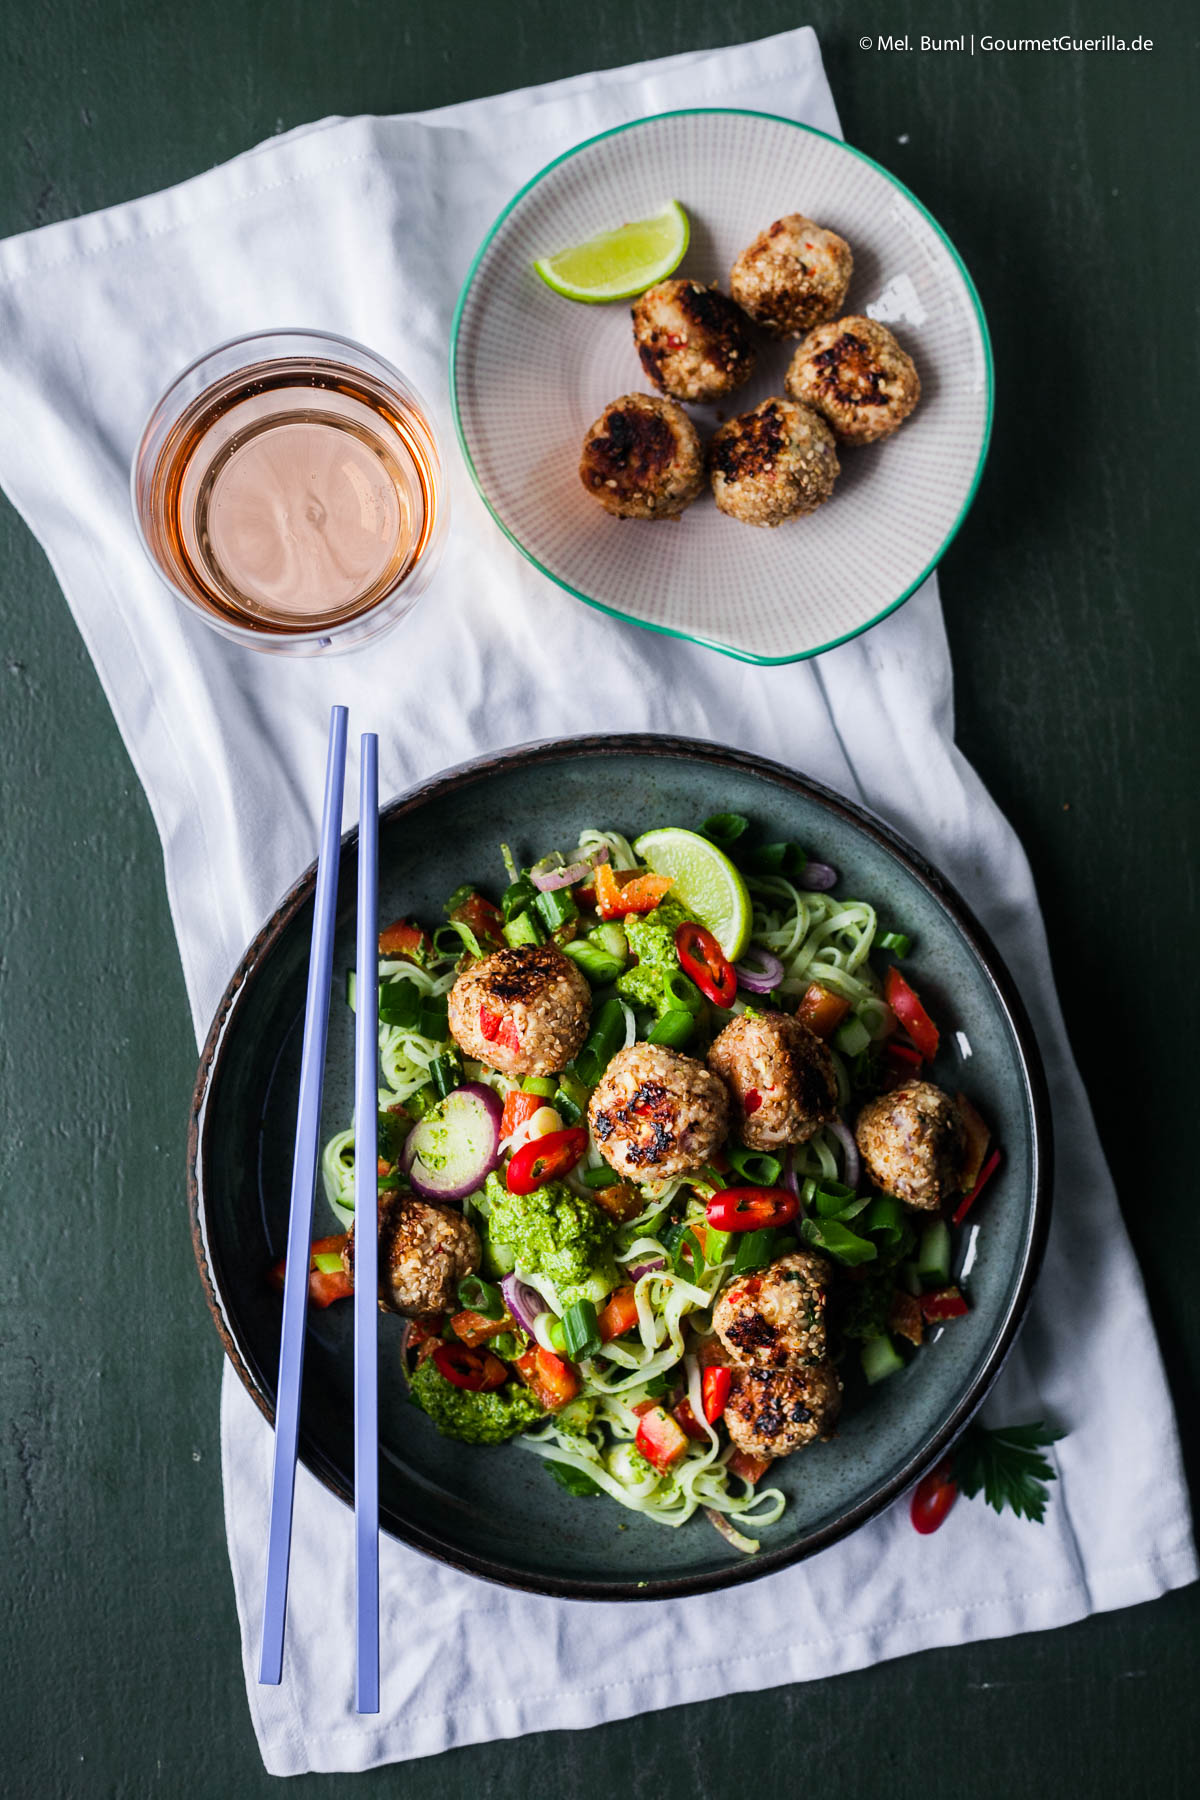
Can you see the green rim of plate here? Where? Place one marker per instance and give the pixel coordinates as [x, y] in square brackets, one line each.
[747, 656]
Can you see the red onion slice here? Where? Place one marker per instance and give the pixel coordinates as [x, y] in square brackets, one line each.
[599, 855]
[648, 1268]
[761, 979]
[462, 1136]
[747, 1545]
[818, 878]
[845, 1138]
[524, 1303]
[789, 1178]
[559, 878]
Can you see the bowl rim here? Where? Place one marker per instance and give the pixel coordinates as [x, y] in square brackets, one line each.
[522, 757]
[673, 631]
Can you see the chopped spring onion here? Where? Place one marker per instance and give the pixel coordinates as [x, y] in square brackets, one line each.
[556, 1332]
[568, 1110]
[838, 1241]
[556, 907]
[885, 1219]
[606, 1038]
[755, 1250]
[597, 964]
[851, 1036]
[896, 942]
[480, 1296]
[754, 1166]
[446, 1072]
[433, 1021]
[600, 1178]
[879, 1359]
[933, 1254]
[327, 1262]
[674, 1029]
[455, 937]
[523, 929]
[539, 1084]
[581, 1330]
[682, 993]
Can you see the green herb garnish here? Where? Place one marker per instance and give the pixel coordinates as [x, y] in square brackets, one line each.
[1006, 1466]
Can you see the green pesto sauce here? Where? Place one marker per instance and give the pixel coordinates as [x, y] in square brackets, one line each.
[555, 1233]
[474, 1418]
[652, 940]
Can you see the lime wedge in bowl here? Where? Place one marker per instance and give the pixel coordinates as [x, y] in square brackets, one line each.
[616, 265]
[705, 881]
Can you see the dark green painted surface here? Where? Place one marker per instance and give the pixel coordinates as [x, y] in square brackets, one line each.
[1069, 597]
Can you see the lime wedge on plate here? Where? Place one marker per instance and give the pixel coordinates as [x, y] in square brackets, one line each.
[616, 265]
[705, 881]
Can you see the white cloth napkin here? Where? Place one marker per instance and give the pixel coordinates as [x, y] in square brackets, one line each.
[366, 227]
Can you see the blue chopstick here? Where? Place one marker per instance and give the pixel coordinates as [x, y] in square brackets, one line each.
[304, 1178]
[366, 1235]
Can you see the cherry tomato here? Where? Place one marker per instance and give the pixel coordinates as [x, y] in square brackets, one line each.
[933, 1497]
[750, 1468]
[751, 1208]
[519, 1108]
[552, 1381]
[478, 1371]
[545, 1159]
[701, 957]
[822, 1010]
[690, 1424]
[660, 1438]
[404, 938]
[324, 1286]
[620, 1314]
[911, 1014]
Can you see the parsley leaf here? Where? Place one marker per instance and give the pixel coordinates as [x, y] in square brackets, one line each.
[574, 1480]
[1007, 1466]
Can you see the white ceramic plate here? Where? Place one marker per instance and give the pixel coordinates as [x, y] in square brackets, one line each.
[530, 371]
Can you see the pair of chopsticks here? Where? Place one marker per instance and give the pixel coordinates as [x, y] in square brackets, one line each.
[366, 1232]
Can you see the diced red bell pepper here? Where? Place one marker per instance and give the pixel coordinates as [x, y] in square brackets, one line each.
[660, 1437]
[426, 1328]
[404, 937]
[701, 957]
[484, 919]
[944, 1303]
[912, 1015]
[905, 1317]
[751, 1208]
[750, 1468]
[324, 1286]
[615, 899]
[545, 1159]
[688, 1421]
[751, 1101]
[476, 1371]
[490, 1023]
[474, 1329]
[620, 1314]
[985, 1175]
[715, 1384]
[553, 1382]
[933, 1497]
[519, 1108]
[821, 1009]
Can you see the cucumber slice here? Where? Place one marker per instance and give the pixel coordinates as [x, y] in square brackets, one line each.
[880, 1359]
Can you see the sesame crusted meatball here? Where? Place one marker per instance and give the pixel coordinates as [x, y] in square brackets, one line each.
[792, 276]
[642, 458]
[522, 1011]
[424, 1252]
[913, 1141]
[855, 374]
[693, 342]
[656, 1113]
[777, 1315]
[780, 1076]
[772, 464]
[771, 1412]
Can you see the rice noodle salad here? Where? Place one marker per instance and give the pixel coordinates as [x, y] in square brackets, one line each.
[660, 1170]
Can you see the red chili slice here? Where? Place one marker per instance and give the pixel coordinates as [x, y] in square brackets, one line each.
[545, 1159]
[715, 1384]
[933, 1497]
[478, 1371]
[911, 1014]
[946, 1303]
[751, 1208]
[701, 957]
[985, 1175]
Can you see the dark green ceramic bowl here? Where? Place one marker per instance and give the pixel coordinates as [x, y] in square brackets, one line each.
[495, 1511]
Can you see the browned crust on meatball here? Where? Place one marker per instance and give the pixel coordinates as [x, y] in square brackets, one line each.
[424, 1252]
[771, 1412]
[776, 462]
[540, 990]
[656, 1113]
[856, 374]
[642, 458]
[788, 1066]
[912, 1142]
[776, 1316]
[692, 340]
